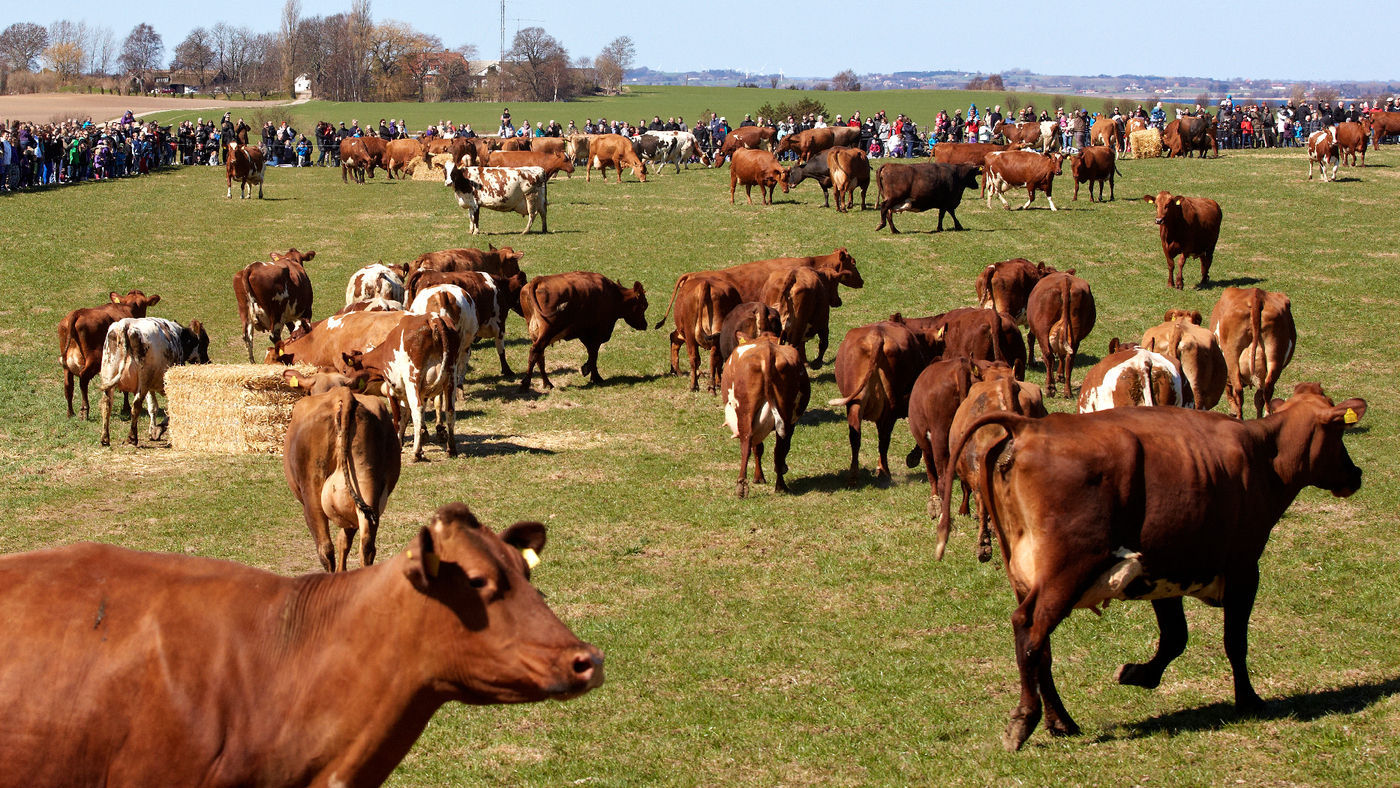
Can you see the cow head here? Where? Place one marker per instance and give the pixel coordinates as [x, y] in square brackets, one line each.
[194, 343]
[562, 162]
[794, 174]
[1057, 160]
[1309, 441]
[1184, 315]
[1168, 206]
[634, 306]
[992, 370]
[965, 175]
[843, 265]
[488, 633]
[509, 287]
[293, 256]
[138, 301]
[1115, 345]
[778, 175]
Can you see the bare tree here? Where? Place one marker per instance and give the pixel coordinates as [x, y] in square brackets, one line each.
[1325, 93]
[66, 53]
[291, 20]
[612, 63]
[390, 44]
[102, 50]
[358, 57]
[194, 55]
[846, 80]
[1299, 94]
[142, 52]
[22, 43]
[539, 65]
[1012, 103]
[423, 57]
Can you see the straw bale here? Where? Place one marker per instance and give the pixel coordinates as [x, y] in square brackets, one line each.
[230, 408]
[1146, 144]
[419, 171]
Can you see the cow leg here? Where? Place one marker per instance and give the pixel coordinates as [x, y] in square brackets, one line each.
[823, 338]
[1057, 719]
[590, 367]
[475, 213]
[106, 418]
[1075, 198]
[153, 410]
[68, 393]
[676, 342]
[136, 403]
[1205, 268]
[781, 445]
[415, 410]
[748, 192]
[345, 540]
[320, 527]
[1050, 200]
[1033, 622]
[449, 403]
[853, 433]
[1067, 369]
[862, 196]
[884, 428]
[758, 464]
[826, 199]
[941, 213]
[1171, 642]
[692, 352]
[745, 447]
[1051, 367]
[1239, 603]
[248, 339]
[715, 369]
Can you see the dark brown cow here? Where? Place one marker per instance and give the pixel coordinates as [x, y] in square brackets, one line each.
[493, 298]
[579, 305]
[1060, 313]
[813, 141]
[1257, 336]
[876, 366]
[1351, 139]
[756, 168]
[1151, 504]
[766, 391]
[922, 187]
[750, 278]
[937, 393]
[1007, 285]
[850, 169]
[701, 306]
[613, 150]
[1189, 227]
[1181, 337]
[516, 144]
[745, 138]
[326, 344]
[273, 295]
[81, 334]
[1190, 134]
[978, 334]
[802, 297]
[358, 154]
[224, 695]
[1022, 168]
[398, 154]
[1383, 124]
[1092, 165]
[341, 458]
[417, 361]
[246, 165]
[552, 163]
[745, 322]
[504, 261]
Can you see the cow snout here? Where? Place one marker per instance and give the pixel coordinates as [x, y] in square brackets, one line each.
[583, 670]
[1351, 485]
[1158, 220]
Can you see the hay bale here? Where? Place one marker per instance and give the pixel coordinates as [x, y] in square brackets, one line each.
[419, 171]
[1146, 144]
[230, 408]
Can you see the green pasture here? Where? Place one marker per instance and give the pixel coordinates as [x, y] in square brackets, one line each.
[778, 640]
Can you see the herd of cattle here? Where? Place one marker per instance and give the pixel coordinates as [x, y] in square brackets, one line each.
[1144, 494]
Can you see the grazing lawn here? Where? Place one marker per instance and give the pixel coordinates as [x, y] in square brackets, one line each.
[801, 639]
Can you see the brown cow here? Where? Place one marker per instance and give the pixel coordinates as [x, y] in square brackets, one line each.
[756, 168]
[1060, 313]
[578, 305]
[1257, 336]
[358, 154]
[549, 145]
[1182, 338]
[1322, 148]
[81, 334]
[515, 144]
[552, 163]
[1383, 124]
[745, 138]
[701, 306]
[937, 393]
[1152, 504]
[1105, 132]
[751, 278]
[1022, 168]
[802, 298]
[341, 458]
[1190, 134]
[810, 142]
[1189, 227]
[244, 164]
[1027, 133]
[398, 154]
[969, 153]
[1094, 165]
[978, 334]
[1351, 139]
[745, 322]
[504, 261]
[273, 295]
[850, 169]
[613, 150]
[1007, 285]
[493, 298]
[766, 391]
[226, 694]
[1133, 377]
[325, 345]
[417, 361]
[876, 366]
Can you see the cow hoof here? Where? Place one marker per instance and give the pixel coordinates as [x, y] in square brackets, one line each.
[418, 457]
[780, 486]
[1138, 675]
[1061, 727]
[105, 441]
[742, 490]
[911, 460]
[132, 442]
[984, 553]
[1250, 706]
[1016, 734]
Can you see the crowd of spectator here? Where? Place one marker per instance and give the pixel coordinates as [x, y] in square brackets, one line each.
[45, 154]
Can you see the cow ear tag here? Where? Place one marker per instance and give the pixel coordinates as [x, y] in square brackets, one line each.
[295, 384]
[532, 558]
[1350, 417]
[1177, 201]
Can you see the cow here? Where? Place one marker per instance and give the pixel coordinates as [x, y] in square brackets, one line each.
[652, 148]
[850, 169]
[82, 333]
[493, 298]
[551, 163]
[1105, 132]
[745, 138]
[745, 322]
[1383, 124]
[1256, 333]
[686, 147]
[136, 354]
[1060, 313]
[398, 153]
[756, 168]
[1181, 337]
[1022, 168]
[212, 668]
[1092, 165]
[376, 280]
[1027, 134]
[765, 391]
[802, 298]
[1133, 378]
[522, 190]
[576, 147]
[1189, 227]
[504, 261]
[876, 366]
[1322, 148]
[244, 164]
[979, 334]
[1184, 136]
[701, 306]
[416, 362]
[922, 187]
[548, 145]
[815, 168]
[934, 399]
[613, 150]
[1147, 503]
[322, 381]
[1351, 139]
[579, 305]
[367, 305]
[1007, 285]
[273, 295]
[811, 142]
[750, 278]
[325, 345]
[457, 308]
[341, 459]
[358, 154]
[515, 144]
[969, 153]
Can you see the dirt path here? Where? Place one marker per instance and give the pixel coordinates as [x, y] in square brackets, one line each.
[48, 107]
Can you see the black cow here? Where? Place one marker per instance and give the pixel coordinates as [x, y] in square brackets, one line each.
[816, 169]
[923, 187]
[651, 148]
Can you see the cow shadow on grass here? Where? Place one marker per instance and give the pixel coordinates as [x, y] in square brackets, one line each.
[816, 416]
[1238, 281]
[1303, 706]
[835, 481]
[491, 445]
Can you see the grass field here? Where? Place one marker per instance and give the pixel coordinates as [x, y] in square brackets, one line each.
[806, 639]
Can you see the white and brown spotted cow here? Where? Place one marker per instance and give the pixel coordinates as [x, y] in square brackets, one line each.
[273, 295]
[1133, 378]
[1323, 149]
[376, 281]
[244, 164]
[765, 389]
[135, 357]
[522, 190]
[417, 361]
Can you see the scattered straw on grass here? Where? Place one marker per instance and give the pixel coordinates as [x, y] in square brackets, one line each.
[230, 408]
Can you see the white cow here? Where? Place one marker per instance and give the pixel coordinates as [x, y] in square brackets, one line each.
[374, 281]
[135, 356]
[686, 147]
[522, 190]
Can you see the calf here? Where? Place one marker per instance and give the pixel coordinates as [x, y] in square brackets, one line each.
[850, 170]
[135, 356]
[273, 295]
[613, 150]
[1022, 168]
[1182, 338]
[1153, 504]
[1322, 148]
[580, 305]
[341, 459]
[922, 187]
[416, 362]
[756, 168]
[82, 333]
[876, 366]
[1006, 286]
[522, 190]
[244, 164]
[937, 393]
[745, 322]
[376, 281]
[802, 298]
[1133, 378]
[1060, 313]
[1093, 165]
[765, 392]
[1190, 227]
[700, 310]
[1257, 336]
[815, 168]
[452, 618]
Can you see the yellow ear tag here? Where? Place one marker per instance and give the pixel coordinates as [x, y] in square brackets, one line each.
[294, 383]
[430, 561]
[1351, 417]
[532, 558]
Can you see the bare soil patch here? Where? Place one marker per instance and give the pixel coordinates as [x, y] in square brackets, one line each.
[46, 107]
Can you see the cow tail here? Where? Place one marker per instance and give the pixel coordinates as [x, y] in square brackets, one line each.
[994, 329]
[789, 282]
[1008, 421]
[880, 189]
[672, 302]
[345, 430]
[67, 334]
[1065, 323]
[1256, 342]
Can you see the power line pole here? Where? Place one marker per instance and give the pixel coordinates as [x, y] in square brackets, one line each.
[501, 64]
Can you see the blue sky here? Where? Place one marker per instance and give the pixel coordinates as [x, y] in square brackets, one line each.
[1281, 39]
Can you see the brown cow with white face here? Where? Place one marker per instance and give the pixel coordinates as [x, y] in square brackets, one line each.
[452, 618]
[1181, 337]
[756, 168]
[1190, 227]
[81, 334]
[244, 164]
[1060, 313]
[765, 392]
[578, 305]
[1257, 336]
[273, 295]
